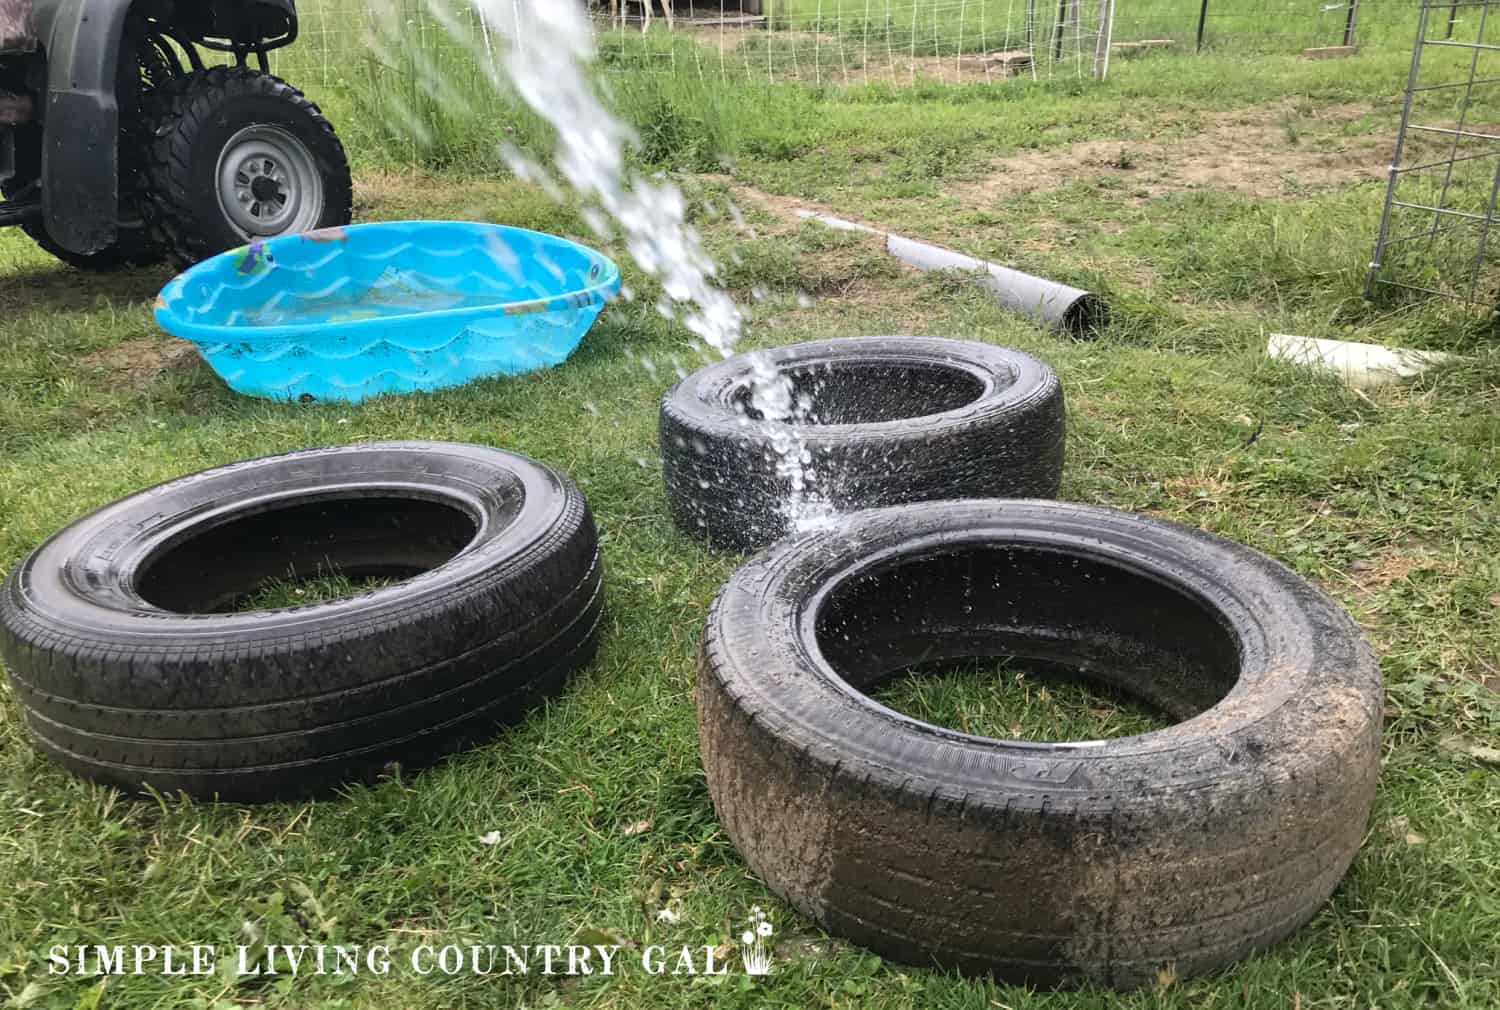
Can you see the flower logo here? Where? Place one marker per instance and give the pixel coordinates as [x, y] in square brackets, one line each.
[756, 941]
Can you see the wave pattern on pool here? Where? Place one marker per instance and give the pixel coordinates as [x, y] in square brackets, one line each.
[350, 313]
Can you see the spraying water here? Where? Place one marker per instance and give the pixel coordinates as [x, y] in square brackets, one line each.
[547, 48]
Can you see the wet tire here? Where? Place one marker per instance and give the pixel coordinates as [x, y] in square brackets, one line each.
[1050, 864]
[890, 420]
[198, 125]
[133, 669]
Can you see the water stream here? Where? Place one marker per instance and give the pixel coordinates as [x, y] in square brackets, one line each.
[546, 55]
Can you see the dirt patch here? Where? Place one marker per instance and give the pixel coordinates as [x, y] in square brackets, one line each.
[1266, 151]
[919, 70]
[897, 305]
[1392, 565]
[135, 364]
[789, 210]
[885, 292]
[1200, 489]
[726, 38]
[834, 69]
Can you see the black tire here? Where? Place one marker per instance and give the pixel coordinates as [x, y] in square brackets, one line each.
[891, 420]
[129, 673]
[193, 120]
[1051, 864]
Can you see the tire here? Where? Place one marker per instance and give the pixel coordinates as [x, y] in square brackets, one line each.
[208, 124]
[1049, 864]
[131, 673]
[891, 420]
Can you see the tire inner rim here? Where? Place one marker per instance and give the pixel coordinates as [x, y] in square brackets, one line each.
[269, 183]
[870, 392]
[212, 568]
[1064, 612]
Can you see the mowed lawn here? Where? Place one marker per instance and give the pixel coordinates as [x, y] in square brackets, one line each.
[1211, 202]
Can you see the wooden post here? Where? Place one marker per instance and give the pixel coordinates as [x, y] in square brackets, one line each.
[1059, 28]
[1349, 22]
[1202, 24]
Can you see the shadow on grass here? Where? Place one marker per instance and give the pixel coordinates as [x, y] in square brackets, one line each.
[60, 288]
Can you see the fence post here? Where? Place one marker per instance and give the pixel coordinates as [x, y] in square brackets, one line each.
[1060, 29]
[1202, 24]
[1106, 38]
[1350, 21]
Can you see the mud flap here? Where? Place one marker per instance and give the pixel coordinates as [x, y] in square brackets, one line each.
[80, 156]
[79, 164]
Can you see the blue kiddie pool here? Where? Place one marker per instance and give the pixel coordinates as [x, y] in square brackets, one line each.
[349, 313]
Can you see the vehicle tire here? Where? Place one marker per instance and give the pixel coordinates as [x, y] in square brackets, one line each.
[1050, 864]
[239, 156]
[888, 420]
[131, 672]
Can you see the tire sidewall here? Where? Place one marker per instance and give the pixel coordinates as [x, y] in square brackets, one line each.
[1011, 381]
[1297, 646]
[79, 586]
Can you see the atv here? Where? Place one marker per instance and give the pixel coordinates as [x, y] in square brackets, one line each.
[120, 143]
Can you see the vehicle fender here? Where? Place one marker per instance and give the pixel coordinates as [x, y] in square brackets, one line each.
[80, 143]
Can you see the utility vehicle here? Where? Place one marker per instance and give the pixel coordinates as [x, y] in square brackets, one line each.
[133, 131]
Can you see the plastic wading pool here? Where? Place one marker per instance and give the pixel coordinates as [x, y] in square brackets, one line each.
[350, 313]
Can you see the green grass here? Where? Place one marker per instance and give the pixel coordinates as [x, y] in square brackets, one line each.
[1000, 701]
[929, 26]
[294, 591]
[422, 94]
[1391, 500]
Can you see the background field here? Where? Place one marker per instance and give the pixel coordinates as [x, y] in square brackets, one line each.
[828, 41]
[1264, 24]
[1211, 200]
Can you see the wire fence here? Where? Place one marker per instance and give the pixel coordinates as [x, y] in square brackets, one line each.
[829, 42]
[1437, 231]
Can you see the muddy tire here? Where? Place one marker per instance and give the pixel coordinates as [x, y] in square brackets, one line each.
[890, 420]
[134, 669]
[1051, 864]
